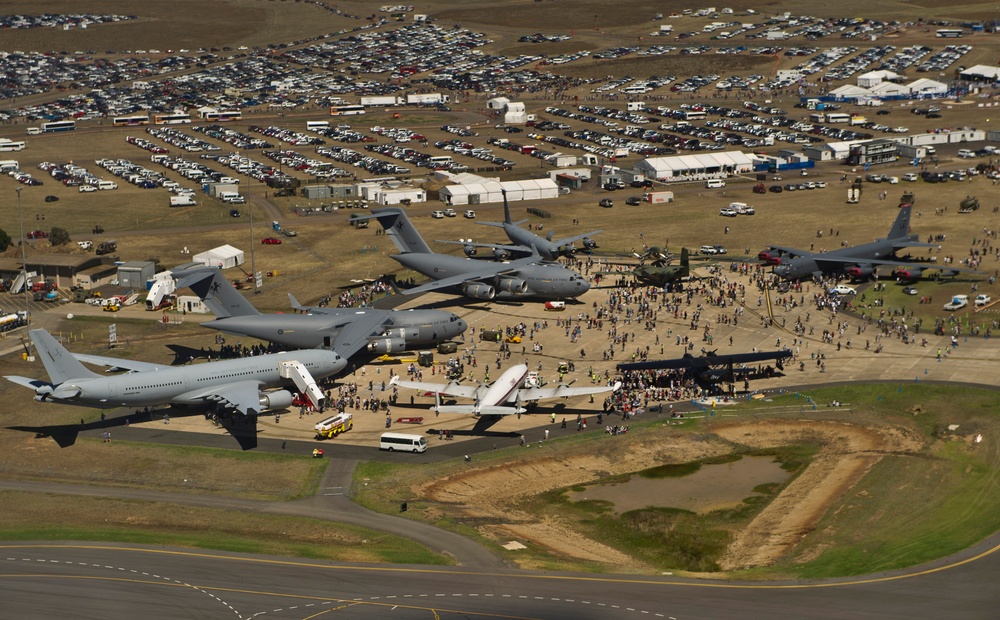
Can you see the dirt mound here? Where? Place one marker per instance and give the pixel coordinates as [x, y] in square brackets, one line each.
[849, 452]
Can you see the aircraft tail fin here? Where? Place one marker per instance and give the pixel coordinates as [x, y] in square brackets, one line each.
[506, 211]
[59, 363]
[685, 263]
[215, 291]
[397, 227]
[901, 227]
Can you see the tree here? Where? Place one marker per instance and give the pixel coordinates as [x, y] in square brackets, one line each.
[5, 241]
[59, 236]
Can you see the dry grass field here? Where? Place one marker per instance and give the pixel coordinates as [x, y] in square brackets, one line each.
[327, 253]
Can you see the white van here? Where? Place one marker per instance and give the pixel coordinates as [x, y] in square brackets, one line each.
[107, 185]
[715, 183]
[402, 442]
[34, 131]
[966, 153]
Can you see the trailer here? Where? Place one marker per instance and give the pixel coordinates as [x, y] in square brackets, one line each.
[427, 99]
[382, 101]
[13, 321]
[658, 197]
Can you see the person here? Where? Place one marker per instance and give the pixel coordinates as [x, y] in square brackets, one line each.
[388, 422]
[522, 440]
[553, 417]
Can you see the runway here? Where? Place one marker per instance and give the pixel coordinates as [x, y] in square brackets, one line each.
[116, 581]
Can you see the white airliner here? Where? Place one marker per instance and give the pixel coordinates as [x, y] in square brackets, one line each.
[496, 399]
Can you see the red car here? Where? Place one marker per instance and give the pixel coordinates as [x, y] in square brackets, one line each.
[271, 241]
[41, 234]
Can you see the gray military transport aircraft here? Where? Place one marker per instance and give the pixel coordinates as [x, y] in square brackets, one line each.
[858, 261]
[233, 388]
[525, 278]
[346, 331]
[524, 240]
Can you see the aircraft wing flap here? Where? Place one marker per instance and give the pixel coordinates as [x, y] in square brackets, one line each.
[243, 396]
[114, 363]
[354, 334]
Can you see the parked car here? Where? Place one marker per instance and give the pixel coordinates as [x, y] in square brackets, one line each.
[271, 241]
[234, 213]
[51, 198]
[450, 213]
[633, 201]
[843, 289]
[728, 212]
[909, 290]
[438, 215]
[38, 234]
[982, 300]
[87, 188]
[469, 215]
[607, 203]
[289, 233]
[775, 189]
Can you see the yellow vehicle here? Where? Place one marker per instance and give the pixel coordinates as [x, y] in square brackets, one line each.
[513, 339]
[111, 308]
[335, 425]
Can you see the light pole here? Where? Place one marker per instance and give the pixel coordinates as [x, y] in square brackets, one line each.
[253, 263]
[24, 260]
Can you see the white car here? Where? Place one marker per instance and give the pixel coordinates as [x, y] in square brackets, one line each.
[470, 214]
[727, 212]
[88, 188]
[982, 300]
[909, 176]
[450, 213]
[438, 215]
[843, 289]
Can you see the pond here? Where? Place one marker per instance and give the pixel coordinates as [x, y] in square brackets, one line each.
[712, 487]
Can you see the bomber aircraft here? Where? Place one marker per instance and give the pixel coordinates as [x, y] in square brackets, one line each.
[712, 368]
[524, 241]
[235, 389]
[346, 331]
[858, 261]
[503, 397]
[524, 278]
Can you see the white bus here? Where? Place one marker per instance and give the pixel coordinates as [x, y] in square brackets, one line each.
[130, 121]
[402, 442]
[172, 119]
[58, 126]
[314, 125]
[949, 33]
[346, 110]
[224, 116]
[10, 145]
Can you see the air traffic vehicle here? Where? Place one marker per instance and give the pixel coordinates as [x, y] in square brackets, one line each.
[238, 388]
[524, 278]
[508, 395]
[858, 261]
[524, 241]
[346, 331]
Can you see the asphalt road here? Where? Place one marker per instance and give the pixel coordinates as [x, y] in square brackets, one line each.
[116, 581]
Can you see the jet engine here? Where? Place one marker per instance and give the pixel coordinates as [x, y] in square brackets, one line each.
[387, 345]
[279, 399]
[567, 249]
[501, 254]
[909, 273]
[513, 285]
[470, 250]
[403, 333]
[861, 272]
[588, 243]
[479, 291]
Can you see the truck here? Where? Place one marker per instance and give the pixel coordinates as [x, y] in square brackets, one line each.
[182, 201]
[13, 321]
[381, 101]
[957, 303]
[85, 245]
[106, 247]
[334, 425]
[658, 197]
[427, 99]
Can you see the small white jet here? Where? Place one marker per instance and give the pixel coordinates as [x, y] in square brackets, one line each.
[505, 396]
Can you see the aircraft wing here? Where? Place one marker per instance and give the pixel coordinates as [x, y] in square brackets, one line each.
[503, 246]
[114, 363]
[566, 240]
[707, 361]
[243, 396]
[482, 271]
[847, 260]
[560, 391]
[355, 332]
[448, 389]
[793, 251]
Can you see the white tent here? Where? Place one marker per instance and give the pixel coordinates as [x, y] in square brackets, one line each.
[497, 103]
[873, 78]
[982, 73]
[925, 86]
[849, 91]
[695, 167]
[487, 191]
[889, 89]
[515, 114]
[223, 257]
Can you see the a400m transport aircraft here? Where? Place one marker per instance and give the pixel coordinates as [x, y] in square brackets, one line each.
[345, 331]
[231, 386]
[524, 278]
[512, 388]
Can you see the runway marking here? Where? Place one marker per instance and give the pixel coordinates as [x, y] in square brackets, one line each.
[534, 577]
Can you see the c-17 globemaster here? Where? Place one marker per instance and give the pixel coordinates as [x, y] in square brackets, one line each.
[858, 261]
[346, 331]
